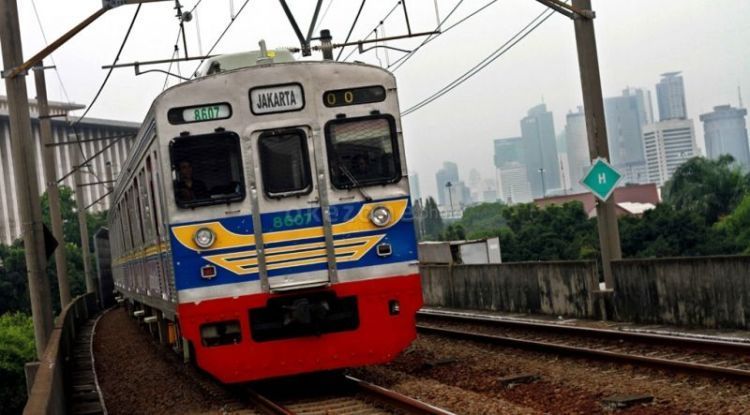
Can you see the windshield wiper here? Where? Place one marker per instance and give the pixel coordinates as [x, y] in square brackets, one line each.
[355, 183]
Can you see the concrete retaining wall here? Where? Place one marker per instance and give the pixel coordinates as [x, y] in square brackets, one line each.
[711, 292]
[559, 288]
[48, 391]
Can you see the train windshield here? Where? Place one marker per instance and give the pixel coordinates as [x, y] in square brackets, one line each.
[363, 151]
[285, 163]
[207, 169]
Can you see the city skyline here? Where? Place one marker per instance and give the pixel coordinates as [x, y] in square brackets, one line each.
[627, 116]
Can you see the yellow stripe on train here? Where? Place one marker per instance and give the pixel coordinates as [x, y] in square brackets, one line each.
[227, 239]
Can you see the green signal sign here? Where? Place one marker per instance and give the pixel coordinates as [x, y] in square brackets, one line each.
[601, 179]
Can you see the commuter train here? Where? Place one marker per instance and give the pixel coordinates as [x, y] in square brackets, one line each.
[263, 218]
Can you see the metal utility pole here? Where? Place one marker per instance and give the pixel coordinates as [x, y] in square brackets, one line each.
[110, 183]
[588, 63]
[24, 164]
[82, 223]
[53, 192]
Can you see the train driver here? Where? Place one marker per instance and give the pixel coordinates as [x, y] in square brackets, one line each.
[187, 188]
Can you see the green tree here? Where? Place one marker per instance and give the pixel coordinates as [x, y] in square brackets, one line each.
[16, 348]
[737, 225]
[667, 231]
[557, 232]
[432, 221]
[454, 232]
[483, 220]
[710, 188]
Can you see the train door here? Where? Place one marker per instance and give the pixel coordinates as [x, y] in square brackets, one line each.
[296, 249]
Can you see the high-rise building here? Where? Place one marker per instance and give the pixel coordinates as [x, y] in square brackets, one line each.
[643, 99]
[667, 145]
[725, 132]
[513, 182]
[626, 115]
[540, 151]
[577, 145]
[670, 94]
[508, 150]
[93, 133]
[449, 173]
[416, 193]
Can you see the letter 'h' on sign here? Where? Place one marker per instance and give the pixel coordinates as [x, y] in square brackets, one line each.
[601, 179]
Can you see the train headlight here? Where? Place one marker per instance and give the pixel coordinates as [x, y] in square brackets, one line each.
[204, 238]
[380, 216]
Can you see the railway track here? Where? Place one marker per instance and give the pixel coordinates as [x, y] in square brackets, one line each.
[695, 355]
[340, 396]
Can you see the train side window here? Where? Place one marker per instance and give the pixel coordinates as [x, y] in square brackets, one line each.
[207, 169]
[362, 151]
[284, 163]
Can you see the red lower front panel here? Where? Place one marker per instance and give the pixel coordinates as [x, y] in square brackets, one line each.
[379, 337]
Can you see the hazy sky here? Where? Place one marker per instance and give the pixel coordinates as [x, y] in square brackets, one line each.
[637, 40]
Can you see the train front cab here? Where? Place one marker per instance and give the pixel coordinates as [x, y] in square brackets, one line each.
[323, 273]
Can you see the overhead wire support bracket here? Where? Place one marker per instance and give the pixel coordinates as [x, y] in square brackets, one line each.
[363, 50]
[362, 42]
[137, 65]
[568, 10]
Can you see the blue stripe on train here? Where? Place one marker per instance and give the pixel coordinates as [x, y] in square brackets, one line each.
[187, 263]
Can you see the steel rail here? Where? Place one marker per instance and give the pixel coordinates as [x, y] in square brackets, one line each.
[652, 338]
[267, 405]
[395, 399]
[589, 352]
[348, 387]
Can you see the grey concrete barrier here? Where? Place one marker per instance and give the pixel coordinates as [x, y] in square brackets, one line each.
[710, 292]
[48, 388]
[563, 288]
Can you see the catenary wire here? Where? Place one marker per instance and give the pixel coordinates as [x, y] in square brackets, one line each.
[430, 37]
[51, 57]
[323, 17]
[505, 47]
[402, 60]
[381, 21]
[351, 29]
[226, 29]
[109, 73]
[176, 48]
[101, 88]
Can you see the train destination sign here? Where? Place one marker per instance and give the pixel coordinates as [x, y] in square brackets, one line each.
[199, 113]
[354, 96]
[275, 99]
[601, 179]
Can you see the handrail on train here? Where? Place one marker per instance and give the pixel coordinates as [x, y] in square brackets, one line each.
[47, 395]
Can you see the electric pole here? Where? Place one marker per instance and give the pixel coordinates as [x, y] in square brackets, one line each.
[53, 192]
[596, 128]
[24, 164]
[82, 223]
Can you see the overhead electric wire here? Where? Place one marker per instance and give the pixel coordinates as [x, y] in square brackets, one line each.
[51, 57]
[325, 13]
[75, 124]
[109, 73]
[351, 29]
[380, 22]
[175, 51]
[402, 60]
[505, 47]
[222, 34]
